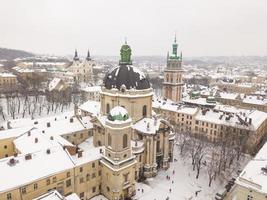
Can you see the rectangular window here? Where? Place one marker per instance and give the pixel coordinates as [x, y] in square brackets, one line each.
[23, 190]
[250, 197]
[93, 175]
[8, 196]
[82, 195]
[81, 169]
[87, 177]
[68, 183]
[47, 181]
[54, 179]
[93, 165]
[81, 180]
[94, 189]
[35, 186]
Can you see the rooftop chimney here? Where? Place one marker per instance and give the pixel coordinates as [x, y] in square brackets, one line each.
[80, 154]
[28, 157]
[71, 120]
[29, 133]
[12, 162]
[48, 124]
[51, 138]
[36, 140]
[48, 151]
[250, 121]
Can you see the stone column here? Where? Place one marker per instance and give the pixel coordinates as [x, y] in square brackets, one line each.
[166, 151]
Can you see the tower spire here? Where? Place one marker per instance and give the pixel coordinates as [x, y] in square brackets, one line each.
[88, 57]
[76, 55]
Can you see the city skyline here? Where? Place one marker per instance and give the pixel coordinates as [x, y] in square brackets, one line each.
[205, 28]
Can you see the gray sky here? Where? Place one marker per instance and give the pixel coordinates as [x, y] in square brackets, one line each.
[204, 27]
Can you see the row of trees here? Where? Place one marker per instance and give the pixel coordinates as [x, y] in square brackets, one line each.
[216, 159]
[23, 105]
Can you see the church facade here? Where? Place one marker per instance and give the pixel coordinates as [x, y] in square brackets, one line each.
[137, 144]
[82, 70]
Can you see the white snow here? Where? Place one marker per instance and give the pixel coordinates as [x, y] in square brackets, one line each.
[118, 110]
[92, 107]
[252, 176]
[33, 141]
[184, 183]
[92, 89]
[7, 75]
[40, 166]
[147, 125]
[55, 195]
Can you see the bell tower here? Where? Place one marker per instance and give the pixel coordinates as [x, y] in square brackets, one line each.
[172, 85]
[118, 161]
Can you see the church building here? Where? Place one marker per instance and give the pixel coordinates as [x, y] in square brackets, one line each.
[82, 70]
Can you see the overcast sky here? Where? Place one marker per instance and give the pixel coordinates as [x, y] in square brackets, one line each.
[204, 27]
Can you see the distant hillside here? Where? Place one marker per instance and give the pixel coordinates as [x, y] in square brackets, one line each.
[10, 54]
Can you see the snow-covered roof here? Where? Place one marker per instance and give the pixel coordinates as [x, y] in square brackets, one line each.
[253, 176]
[118, 110]
[226, 95]
[40, 165]
[7, 75]
[23, 122]
[92, 107]
[54, 83]
[198, 101]
[236, 118]
[13, 133]
[172, 106]
[33, 141]
[88, 155]
[92, 89]
[147, 125]
[55, 195]
[255, 100]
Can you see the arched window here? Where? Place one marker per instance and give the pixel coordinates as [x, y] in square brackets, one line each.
[109, 139]
[167, 77]
[107, 108]
[144, 111]
[124, 142]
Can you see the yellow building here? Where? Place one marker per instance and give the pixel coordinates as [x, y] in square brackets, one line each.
[215, 123]
[8, 81]
[251, 183]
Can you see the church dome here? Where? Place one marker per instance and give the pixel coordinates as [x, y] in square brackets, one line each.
[118, 113]
[125, 75]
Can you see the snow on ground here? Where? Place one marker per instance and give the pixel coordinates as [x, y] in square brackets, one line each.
[184, 185]
[55, 112]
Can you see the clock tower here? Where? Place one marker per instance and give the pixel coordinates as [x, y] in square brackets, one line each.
[172, 85]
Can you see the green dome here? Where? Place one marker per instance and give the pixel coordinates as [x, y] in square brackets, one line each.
[118, 113]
